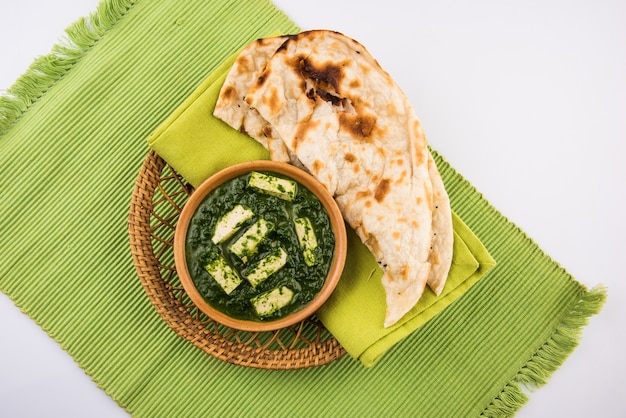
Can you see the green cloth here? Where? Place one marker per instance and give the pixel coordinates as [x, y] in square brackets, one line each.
[197, 144]
[72, 140]
[355, 312]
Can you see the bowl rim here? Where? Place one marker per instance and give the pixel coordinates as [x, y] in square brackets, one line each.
[228, 173]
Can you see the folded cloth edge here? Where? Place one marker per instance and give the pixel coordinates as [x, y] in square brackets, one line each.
[485, 262]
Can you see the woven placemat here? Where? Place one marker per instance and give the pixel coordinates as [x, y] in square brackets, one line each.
[157, 200]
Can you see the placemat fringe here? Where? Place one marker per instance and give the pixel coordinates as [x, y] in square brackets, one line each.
[550, 356]
[46, 70]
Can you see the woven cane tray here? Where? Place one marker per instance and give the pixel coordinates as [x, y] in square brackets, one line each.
[158, 198]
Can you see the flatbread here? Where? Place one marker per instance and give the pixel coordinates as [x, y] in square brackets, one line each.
[332, 109]
[369, 153]
[231, 106]
[440, 257]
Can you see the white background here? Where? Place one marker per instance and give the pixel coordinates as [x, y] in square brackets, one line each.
[526, 99]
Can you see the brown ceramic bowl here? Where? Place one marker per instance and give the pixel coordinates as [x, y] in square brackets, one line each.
[304, 179]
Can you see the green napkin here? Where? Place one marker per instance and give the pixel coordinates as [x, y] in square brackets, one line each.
[196, 144]
[355, 312]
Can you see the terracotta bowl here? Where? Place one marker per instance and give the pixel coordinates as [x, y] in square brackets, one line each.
[306, 180]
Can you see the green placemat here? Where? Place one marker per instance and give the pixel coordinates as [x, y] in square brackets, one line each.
[73, 133]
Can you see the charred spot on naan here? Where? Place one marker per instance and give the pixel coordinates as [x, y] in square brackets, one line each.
[327, 74]
[418, 131]
[402, 178]
[349, 157]
[267, 131]
[317, 166]
[320, 81]
[362, 194]
[352, 160]
[355, 84]
[302, 129]
[259, 82]
[359, 126]
[261, 42]
[273, 101]
[382, 189]
[228, 94]
[434, 256]
[243, 64]
[404, 272]
[419, 156]
[391, 108]
[284, 45]
[429, 196]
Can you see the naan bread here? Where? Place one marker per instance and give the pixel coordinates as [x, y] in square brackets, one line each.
[369, 151]
[331, 108]
[440, 257]
[231, 106]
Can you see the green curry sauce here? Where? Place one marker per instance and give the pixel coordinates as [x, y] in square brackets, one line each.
[304, 280]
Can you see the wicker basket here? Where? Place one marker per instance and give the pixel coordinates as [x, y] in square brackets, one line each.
[157, 200]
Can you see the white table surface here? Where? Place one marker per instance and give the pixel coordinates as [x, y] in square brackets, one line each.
[526, 99]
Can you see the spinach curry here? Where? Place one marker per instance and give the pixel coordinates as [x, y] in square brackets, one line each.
[259, 247]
